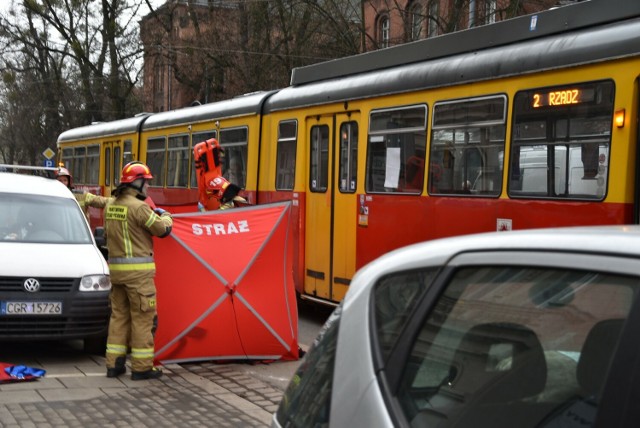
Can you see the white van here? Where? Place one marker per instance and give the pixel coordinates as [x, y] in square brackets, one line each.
[54, 281]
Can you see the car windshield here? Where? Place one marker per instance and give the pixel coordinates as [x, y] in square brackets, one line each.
[42, 219]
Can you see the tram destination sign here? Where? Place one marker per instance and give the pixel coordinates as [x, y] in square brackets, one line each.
[562, 97]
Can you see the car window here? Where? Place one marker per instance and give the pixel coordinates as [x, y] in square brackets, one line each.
[512, 346]
[42, 219]
[307, 400]
[395, 297]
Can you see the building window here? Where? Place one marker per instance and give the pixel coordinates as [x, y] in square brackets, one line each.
[488, 12]
[432, 19]
[158, 77]
[416, 20]
[383, 34]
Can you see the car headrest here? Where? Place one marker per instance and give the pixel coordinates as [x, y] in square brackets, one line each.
[502, 361]
[595, 358]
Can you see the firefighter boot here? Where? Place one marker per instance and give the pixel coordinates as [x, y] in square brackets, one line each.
[154, 373]
[118, 369]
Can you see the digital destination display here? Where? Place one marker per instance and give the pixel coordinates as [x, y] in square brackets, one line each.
[562, 97]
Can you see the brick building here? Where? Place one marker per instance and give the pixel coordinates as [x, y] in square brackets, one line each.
[189, 58]
[185, 55]
[393, 22]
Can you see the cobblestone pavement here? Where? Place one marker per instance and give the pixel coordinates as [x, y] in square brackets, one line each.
[199, 395]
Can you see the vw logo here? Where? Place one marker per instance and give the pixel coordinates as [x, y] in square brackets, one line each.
[31, 285]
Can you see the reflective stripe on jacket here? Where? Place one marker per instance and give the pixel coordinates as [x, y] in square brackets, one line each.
[130, 225]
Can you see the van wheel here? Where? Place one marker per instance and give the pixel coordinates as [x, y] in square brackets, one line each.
[95, 345]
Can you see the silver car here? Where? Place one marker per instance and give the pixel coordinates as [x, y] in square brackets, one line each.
[519, 329]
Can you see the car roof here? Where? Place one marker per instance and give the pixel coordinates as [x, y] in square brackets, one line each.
[620, 240]
[27, 184]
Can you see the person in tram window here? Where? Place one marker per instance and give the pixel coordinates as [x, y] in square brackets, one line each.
[414, 173]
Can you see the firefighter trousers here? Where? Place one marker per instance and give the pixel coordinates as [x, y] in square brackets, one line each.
[133, 309]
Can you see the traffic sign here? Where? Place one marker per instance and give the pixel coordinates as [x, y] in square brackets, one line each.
[48, 154]
[48, 163]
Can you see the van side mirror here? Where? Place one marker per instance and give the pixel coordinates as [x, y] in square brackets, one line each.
[99, 235]
[101, 241]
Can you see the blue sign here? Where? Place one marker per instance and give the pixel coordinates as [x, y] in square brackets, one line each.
[48, 163]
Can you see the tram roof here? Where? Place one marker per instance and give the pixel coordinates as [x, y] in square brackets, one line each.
[541, 24]
[104, 129]
[351, 78]
[238, 106]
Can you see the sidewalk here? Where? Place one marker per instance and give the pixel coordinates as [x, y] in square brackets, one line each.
[78, 394]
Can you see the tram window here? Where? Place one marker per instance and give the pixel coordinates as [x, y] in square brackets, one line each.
[127, 154]
[467, 147]
[286, 155]
[348, 157]
[93, 165]
[234, 167]
[66, 158]
[107, 166]
[78, 164]
[561, 141]
[196, 138]
[396, 150]
[156, 159]
[319, 162]
[178, 161]
[117, 165]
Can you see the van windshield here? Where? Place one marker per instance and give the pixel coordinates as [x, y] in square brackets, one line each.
[42, 219]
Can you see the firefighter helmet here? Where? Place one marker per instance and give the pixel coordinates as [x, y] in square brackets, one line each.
[217, 186]
[64, 172]
[134, 170]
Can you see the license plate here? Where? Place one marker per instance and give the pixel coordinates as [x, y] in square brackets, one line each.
[30, 308]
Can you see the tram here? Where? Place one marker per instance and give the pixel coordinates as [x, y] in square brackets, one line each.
[526, 123]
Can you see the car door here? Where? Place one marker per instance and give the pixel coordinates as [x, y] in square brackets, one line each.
[517, 338]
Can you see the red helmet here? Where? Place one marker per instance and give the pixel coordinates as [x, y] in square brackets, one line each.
[134, 170]
[217, 186]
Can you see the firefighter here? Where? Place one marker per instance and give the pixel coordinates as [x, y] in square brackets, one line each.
[85, 199]
[226, 193]
[130, 224]
[64, 176]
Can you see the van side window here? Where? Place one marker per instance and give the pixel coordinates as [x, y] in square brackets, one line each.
[467, 146]
[560, 141]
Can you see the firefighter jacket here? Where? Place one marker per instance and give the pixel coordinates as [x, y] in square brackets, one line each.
[86, 200]
[130, 225]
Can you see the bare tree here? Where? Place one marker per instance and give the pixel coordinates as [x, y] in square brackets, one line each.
[80, 59]
[226, 48]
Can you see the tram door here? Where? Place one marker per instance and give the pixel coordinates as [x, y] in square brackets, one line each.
[116, 154]
[331, 205]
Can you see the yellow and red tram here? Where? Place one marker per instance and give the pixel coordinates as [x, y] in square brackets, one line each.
[526, 123]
